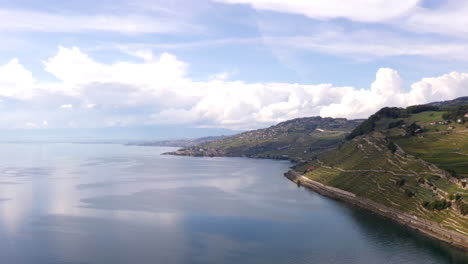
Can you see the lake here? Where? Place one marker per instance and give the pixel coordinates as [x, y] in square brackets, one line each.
[106, 203]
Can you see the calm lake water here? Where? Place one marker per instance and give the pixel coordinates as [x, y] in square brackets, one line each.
[90, 203]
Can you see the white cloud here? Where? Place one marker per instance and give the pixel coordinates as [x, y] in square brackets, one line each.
[449, 19]
[72, 66]
[222, 76]
[16, 20]
[357, 10]
[445, 18]
[356, 42]
[159, 92]
[16, 80]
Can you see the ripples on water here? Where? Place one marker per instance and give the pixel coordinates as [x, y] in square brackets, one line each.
[71, 203]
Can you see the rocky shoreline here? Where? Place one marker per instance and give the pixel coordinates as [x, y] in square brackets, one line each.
[426, 227]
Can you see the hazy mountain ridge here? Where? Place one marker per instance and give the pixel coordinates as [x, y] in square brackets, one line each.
[182, 143]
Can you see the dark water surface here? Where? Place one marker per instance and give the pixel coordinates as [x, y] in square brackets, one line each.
[77, 203]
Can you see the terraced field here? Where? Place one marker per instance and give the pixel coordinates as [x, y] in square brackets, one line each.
[421, 171]
[367, 168]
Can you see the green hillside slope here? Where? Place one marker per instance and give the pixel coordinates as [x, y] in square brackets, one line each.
[413, 159]
[298, 139]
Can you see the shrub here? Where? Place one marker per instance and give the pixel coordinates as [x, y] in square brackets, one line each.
[400, 182]
[409, 193]
[454, 196]
[392, 147]
[412, 129]
[453, 173]
[463, 207]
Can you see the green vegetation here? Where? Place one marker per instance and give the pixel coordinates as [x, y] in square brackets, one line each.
[369, 125]
[463, 207]
[400, 182]
[413, 159]
[456, 113]
[298, 139]
[437, 204]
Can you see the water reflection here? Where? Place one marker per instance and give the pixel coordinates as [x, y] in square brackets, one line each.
[69, 203]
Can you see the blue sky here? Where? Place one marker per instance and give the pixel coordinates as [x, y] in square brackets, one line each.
[235, 64]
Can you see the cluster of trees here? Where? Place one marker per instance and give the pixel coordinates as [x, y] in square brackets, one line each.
[453, 196]
[421, 108]
[462, 206]
[369, 125]
[389, 112]
[453, 173]
[437, 204]
[455, 113]
[412, 129]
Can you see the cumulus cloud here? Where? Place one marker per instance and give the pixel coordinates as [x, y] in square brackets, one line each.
[159, 91]
[16, 80]
[71, 65]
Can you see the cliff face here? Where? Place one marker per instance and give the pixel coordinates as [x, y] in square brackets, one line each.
[298, 139]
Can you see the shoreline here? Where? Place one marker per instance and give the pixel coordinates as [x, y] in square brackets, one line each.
[426, 227]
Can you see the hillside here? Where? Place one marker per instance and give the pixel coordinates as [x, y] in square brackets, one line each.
[298, 139]
[413, 159]
[455, 102]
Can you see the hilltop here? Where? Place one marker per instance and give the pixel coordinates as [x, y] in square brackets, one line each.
[412, 159]
[298, 139]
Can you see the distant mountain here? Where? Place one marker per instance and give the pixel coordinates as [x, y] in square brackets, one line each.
[111, 134]
[298, 139]
[413, 159]
[181, 143]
